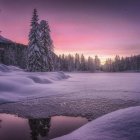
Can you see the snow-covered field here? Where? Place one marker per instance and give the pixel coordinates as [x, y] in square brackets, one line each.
[76, 94]
[15, 84]
[56, 93]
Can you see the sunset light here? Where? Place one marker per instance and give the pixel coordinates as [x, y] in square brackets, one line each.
[95, 29]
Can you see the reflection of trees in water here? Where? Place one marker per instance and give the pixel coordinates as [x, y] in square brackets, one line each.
[39, 127]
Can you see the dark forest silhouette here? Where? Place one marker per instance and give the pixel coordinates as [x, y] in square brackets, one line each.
[80, 63]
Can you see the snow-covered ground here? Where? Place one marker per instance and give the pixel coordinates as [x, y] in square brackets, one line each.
[90, 95]
[15, 84]
[55, 93]
[119, 125]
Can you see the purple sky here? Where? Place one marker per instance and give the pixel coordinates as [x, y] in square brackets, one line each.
[103, 27]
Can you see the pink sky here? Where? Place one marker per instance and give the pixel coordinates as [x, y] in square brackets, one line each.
[93, 32]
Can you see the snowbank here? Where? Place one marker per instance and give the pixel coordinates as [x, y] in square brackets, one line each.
[119, 125]
[16, 84]
[4, 68]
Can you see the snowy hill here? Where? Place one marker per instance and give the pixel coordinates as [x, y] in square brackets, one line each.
[123, 124]
[5, 40]
[17, 84]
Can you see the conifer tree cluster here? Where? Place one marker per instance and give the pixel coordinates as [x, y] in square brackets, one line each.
[76, 63]
[39, 55]
[40, 47]
[14, 54]
[80, 63]
[122, 64]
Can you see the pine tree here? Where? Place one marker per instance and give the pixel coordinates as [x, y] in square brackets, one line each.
[97, 63]
[117, 63]
[64, 63]
[90, 64]
[56, 62]
[47, 45]
[34, 51]
[77, 62]
[83, 63]
[70, 62]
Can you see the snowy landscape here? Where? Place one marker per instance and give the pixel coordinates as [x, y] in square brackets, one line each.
[40, 95]
[74, 75]
[123, 124]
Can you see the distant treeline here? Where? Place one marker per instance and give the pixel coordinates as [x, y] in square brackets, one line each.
[15, 54]
[76, 63]
[80, 63]
[122, 64]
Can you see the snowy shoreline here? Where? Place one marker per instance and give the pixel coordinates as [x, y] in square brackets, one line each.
[16, 84]
[60, 106]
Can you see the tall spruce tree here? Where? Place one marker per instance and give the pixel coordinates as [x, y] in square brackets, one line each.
[83, 63]
[47, 45]
[97, 62]
[34, 51]
[90, 64]
[77, 62]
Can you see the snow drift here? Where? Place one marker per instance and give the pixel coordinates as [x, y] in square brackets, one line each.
[123, 124]
[16, 84]
[4, 68]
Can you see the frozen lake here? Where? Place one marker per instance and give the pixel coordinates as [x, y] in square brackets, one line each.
[82, 94]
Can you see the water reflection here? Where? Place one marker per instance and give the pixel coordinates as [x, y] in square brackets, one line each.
[16, 128]
[39, 127]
